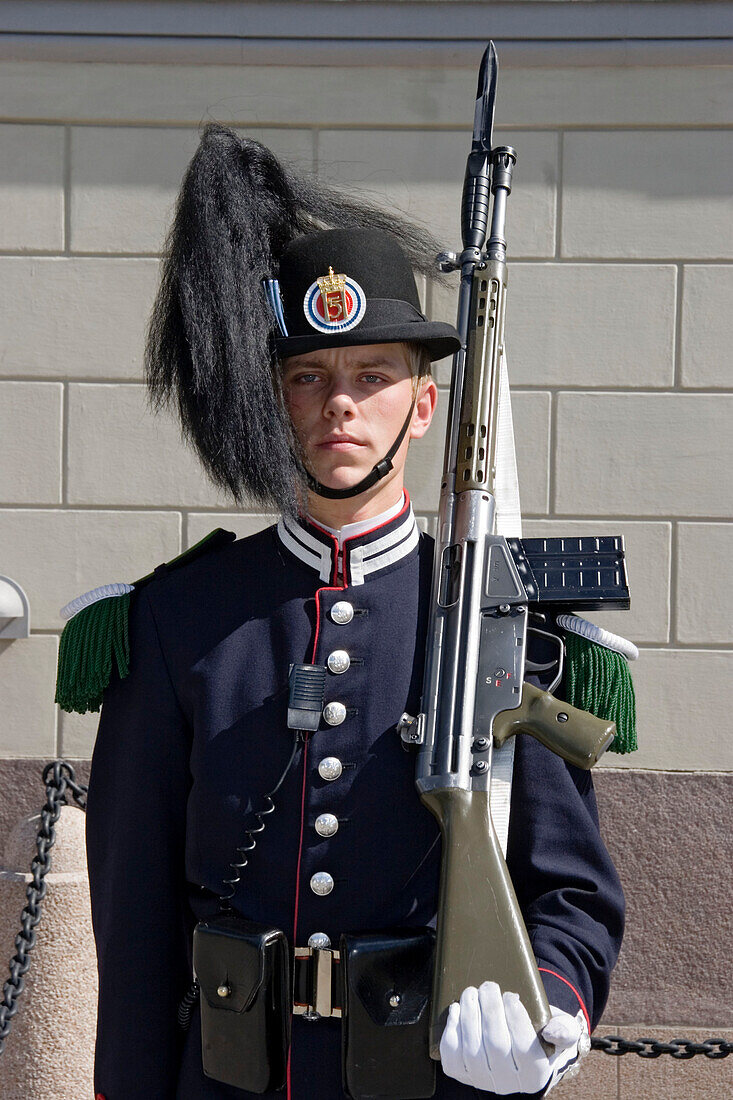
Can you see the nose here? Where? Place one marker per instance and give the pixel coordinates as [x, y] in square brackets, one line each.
[339, 402]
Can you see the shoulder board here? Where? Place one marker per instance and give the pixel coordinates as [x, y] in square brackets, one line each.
[209, 542]
[96, 634]
[597, 677]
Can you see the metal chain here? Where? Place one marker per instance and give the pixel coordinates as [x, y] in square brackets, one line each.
[653, 1048]
[59, 777]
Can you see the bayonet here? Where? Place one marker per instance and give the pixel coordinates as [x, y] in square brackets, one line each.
[483, 117]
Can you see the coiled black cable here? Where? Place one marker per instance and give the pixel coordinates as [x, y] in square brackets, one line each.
[186, 1007]
[250, 842]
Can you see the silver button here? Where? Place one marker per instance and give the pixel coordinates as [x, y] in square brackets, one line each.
[319, 940]
[342, 612]
[338, 661]
[334, 713]
[327, 824]
[322, 883]
[330, 768]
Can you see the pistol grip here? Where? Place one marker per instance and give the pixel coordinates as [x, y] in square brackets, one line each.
[577, 736]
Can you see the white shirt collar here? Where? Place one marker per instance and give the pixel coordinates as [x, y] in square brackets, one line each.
[351, 530]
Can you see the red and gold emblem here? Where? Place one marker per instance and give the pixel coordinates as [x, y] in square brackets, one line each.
[334, 303]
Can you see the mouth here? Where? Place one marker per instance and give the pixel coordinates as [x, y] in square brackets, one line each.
[339, 443]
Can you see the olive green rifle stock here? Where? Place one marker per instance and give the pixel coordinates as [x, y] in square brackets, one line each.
[480, 938]
[474, 694]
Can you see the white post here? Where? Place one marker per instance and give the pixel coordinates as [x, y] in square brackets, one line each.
[49, 1052]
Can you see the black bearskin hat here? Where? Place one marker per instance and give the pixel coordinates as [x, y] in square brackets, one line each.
[243, 221]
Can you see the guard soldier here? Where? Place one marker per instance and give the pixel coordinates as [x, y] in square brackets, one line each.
[299, 360]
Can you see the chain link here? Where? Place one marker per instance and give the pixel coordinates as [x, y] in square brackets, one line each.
[681, 1049]
[60, 778]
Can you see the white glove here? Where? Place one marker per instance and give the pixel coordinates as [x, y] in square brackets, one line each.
[489, 1043]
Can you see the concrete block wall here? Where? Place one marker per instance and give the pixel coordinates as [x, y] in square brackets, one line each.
[619, 336]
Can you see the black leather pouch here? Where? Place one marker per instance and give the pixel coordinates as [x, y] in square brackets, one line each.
[243, 971]
[387, 978]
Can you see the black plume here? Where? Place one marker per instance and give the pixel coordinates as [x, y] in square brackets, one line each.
[210, 344]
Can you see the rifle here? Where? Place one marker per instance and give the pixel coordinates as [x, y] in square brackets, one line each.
[487, 592]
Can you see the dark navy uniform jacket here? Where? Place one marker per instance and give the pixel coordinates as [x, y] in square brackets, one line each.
[196, 733]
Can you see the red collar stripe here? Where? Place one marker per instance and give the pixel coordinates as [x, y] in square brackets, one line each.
[363, 555]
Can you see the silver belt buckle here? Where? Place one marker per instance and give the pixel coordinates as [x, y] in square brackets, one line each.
[322, 970]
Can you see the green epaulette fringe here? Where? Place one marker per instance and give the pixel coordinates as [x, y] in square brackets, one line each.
[98, 637]
[598, 680]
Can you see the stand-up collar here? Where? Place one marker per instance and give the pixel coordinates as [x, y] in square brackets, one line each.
[363, 556]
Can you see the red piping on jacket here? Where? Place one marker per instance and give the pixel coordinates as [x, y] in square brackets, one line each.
[544, 970]
[332, 588]
[328, 588]
[351, 538]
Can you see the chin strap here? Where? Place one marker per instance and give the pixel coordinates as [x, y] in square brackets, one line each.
[375, 474]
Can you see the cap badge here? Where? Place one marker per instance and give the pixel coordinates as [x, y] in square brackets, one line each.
[334, 303]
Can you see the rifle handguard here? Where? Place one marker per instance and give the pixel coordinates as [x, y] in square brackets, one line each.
[577, 736]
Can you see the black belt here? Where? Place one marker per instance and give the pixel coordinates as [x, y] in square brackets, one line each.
[317, 983]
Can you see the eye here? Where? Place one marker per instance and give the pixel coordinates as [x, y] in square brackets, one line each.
[372, 378]
[304, 379]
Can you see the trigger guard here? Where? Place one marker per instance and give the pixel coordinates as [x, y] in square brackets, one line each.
[537, 666]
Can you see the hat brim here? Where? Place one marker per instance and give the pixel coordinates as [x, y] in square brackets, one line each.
[439, 338]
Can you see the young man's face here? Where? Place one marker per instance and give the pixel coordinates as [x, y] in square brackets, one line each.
[347, 406]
